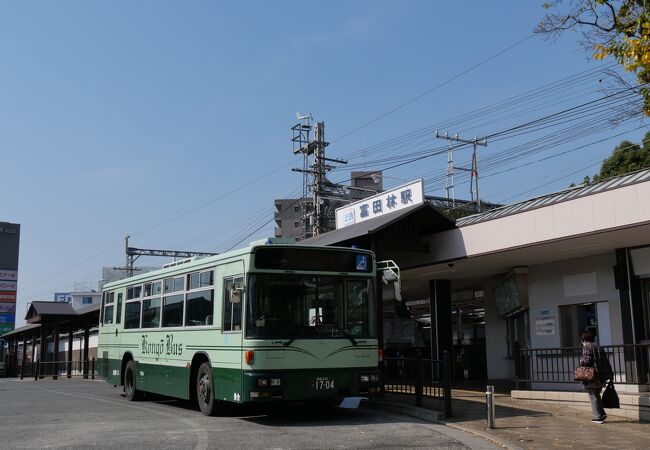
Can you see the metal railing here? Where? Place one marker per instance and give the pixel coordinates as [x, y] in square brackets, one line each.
[418, 377]
[55, 369]
[630, 364]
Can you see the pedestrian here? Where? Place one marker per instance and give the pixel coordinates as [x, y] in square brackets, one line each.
[594, 356]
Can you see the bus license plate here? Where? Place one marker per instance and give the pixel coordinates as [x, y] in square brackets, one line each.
[324, 383]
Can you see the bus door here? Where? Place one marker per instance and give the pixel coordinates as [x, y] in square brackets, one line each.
[230, 290]
[109, 338]
[113, 364]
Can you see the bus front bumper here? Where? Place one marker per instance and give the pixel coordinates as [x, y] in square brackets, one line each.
[309, 384]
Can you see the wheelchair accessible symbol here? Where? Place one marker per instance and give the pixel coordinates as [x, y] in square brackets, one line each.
[362, 262]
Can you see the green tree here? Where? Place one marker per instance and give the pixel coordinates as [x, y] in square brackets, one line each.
[619, 29]
[626, 157]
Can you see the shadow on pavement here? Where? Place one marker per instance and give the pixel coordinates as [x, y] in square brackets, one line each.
[294, 414]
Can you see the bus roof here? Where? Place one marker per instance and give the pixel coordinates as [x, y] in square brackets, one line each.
[201, 262]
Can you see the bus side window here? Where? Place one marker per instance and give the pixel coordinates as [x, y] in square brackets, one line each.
[231, 309]
[109, 307]
[118, 318]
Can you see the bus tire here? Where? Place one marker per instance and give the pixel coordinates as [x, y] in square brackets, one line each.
[205, 390]
[130, 390]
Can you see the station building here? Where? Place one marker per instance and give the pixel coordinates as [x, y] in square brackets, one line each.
[508, 292]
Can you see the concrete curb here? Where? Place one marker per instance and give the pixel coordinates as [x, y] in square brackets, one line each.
[488, 437]
[438, 418]
[405, 410]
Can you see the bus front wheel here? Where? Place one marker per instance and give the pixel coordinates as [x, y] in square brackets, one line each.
[205, 390]
[129, 382]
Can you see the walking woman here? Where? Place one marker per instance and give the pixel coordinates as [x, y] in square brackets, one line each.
[594, 356]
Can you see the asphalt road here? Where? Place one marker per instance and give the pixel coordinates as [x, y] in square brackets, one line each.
[84, 414]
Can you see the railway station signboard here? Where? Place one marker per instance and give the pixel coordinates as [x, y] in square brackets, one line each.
[389, 201]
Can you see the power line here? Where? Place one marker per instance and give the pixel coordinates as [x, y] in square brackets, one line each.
[433, 89]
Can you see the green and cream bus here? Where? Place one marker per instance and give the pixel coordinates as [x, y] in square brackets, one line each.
[268, 323]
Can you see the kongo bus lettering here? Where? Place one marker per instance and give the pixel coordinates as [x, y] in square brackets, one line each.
[165, 346]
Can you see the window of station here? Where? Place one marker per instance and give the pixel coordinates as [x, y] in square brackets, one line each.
[576, 319]
[517, 332]
[109, 299]
[645, 286]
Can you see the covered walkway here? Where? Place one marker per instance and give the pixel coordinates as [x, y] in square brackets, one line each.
[28, 352]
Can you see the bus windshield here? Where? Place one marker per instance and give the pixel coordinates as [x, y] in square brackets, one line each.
[308, 306]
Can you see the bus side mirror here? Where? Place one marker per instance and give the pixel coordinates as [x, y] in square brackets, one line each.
[236, 290]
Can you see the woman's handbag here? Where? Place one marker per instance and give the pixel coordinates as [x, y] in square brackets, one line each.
[610, 397]
[584, 374]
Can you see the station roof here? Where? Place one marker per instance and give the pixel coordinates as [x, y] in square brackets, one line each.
[21, 330]
[56, 313]
[39, 311]
[557, 197]
[428, 220]
[89, 310]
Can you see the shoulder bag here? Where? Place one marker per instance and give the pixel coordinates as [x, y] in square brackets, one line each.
[586, 374]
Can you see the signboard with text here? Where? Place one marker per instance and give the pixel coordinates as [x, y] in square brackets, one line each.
[389, 201]
[9, 250]
[7, 285]
[7, 308]
[7, 296]
[7, 318]
[63, 297]
[8, 275]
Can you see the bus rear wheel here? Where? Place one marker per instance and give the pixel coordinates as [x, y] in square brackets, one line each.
[129, 382]
[205, 390]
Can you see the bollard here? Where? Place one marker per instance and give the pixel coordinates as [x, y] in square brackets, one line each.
[489, 400]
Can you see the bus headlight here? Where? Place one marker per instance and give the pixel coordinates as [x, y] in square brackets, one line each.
[364, 378]
[275, 382]
[262, 382]
[374, 378]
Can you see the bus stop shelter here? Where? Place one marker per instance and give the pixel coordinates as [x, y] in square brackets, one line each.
[47, 322]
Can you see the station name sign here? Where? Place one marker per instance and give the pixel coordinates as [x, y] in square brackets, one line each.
[401, 197]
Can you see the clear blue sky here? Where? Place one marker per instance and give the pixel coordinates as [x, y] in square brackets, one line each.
[116, 117]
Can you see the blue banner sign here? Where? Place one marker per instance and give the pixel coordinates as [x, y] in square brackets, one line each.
[7, 318]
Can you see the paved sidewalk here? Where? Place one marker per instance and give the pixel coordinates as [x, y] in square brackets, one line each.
[532, 424]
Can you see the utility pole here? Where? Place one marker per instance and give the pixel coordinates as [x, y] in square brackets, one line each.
[300, 141]
[450, 185]
[473, 184]
[314, 222]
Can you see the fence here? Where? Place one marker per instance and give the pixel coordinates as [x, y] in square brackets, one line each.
[630, 364]
[55, 369]
[420, 378]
